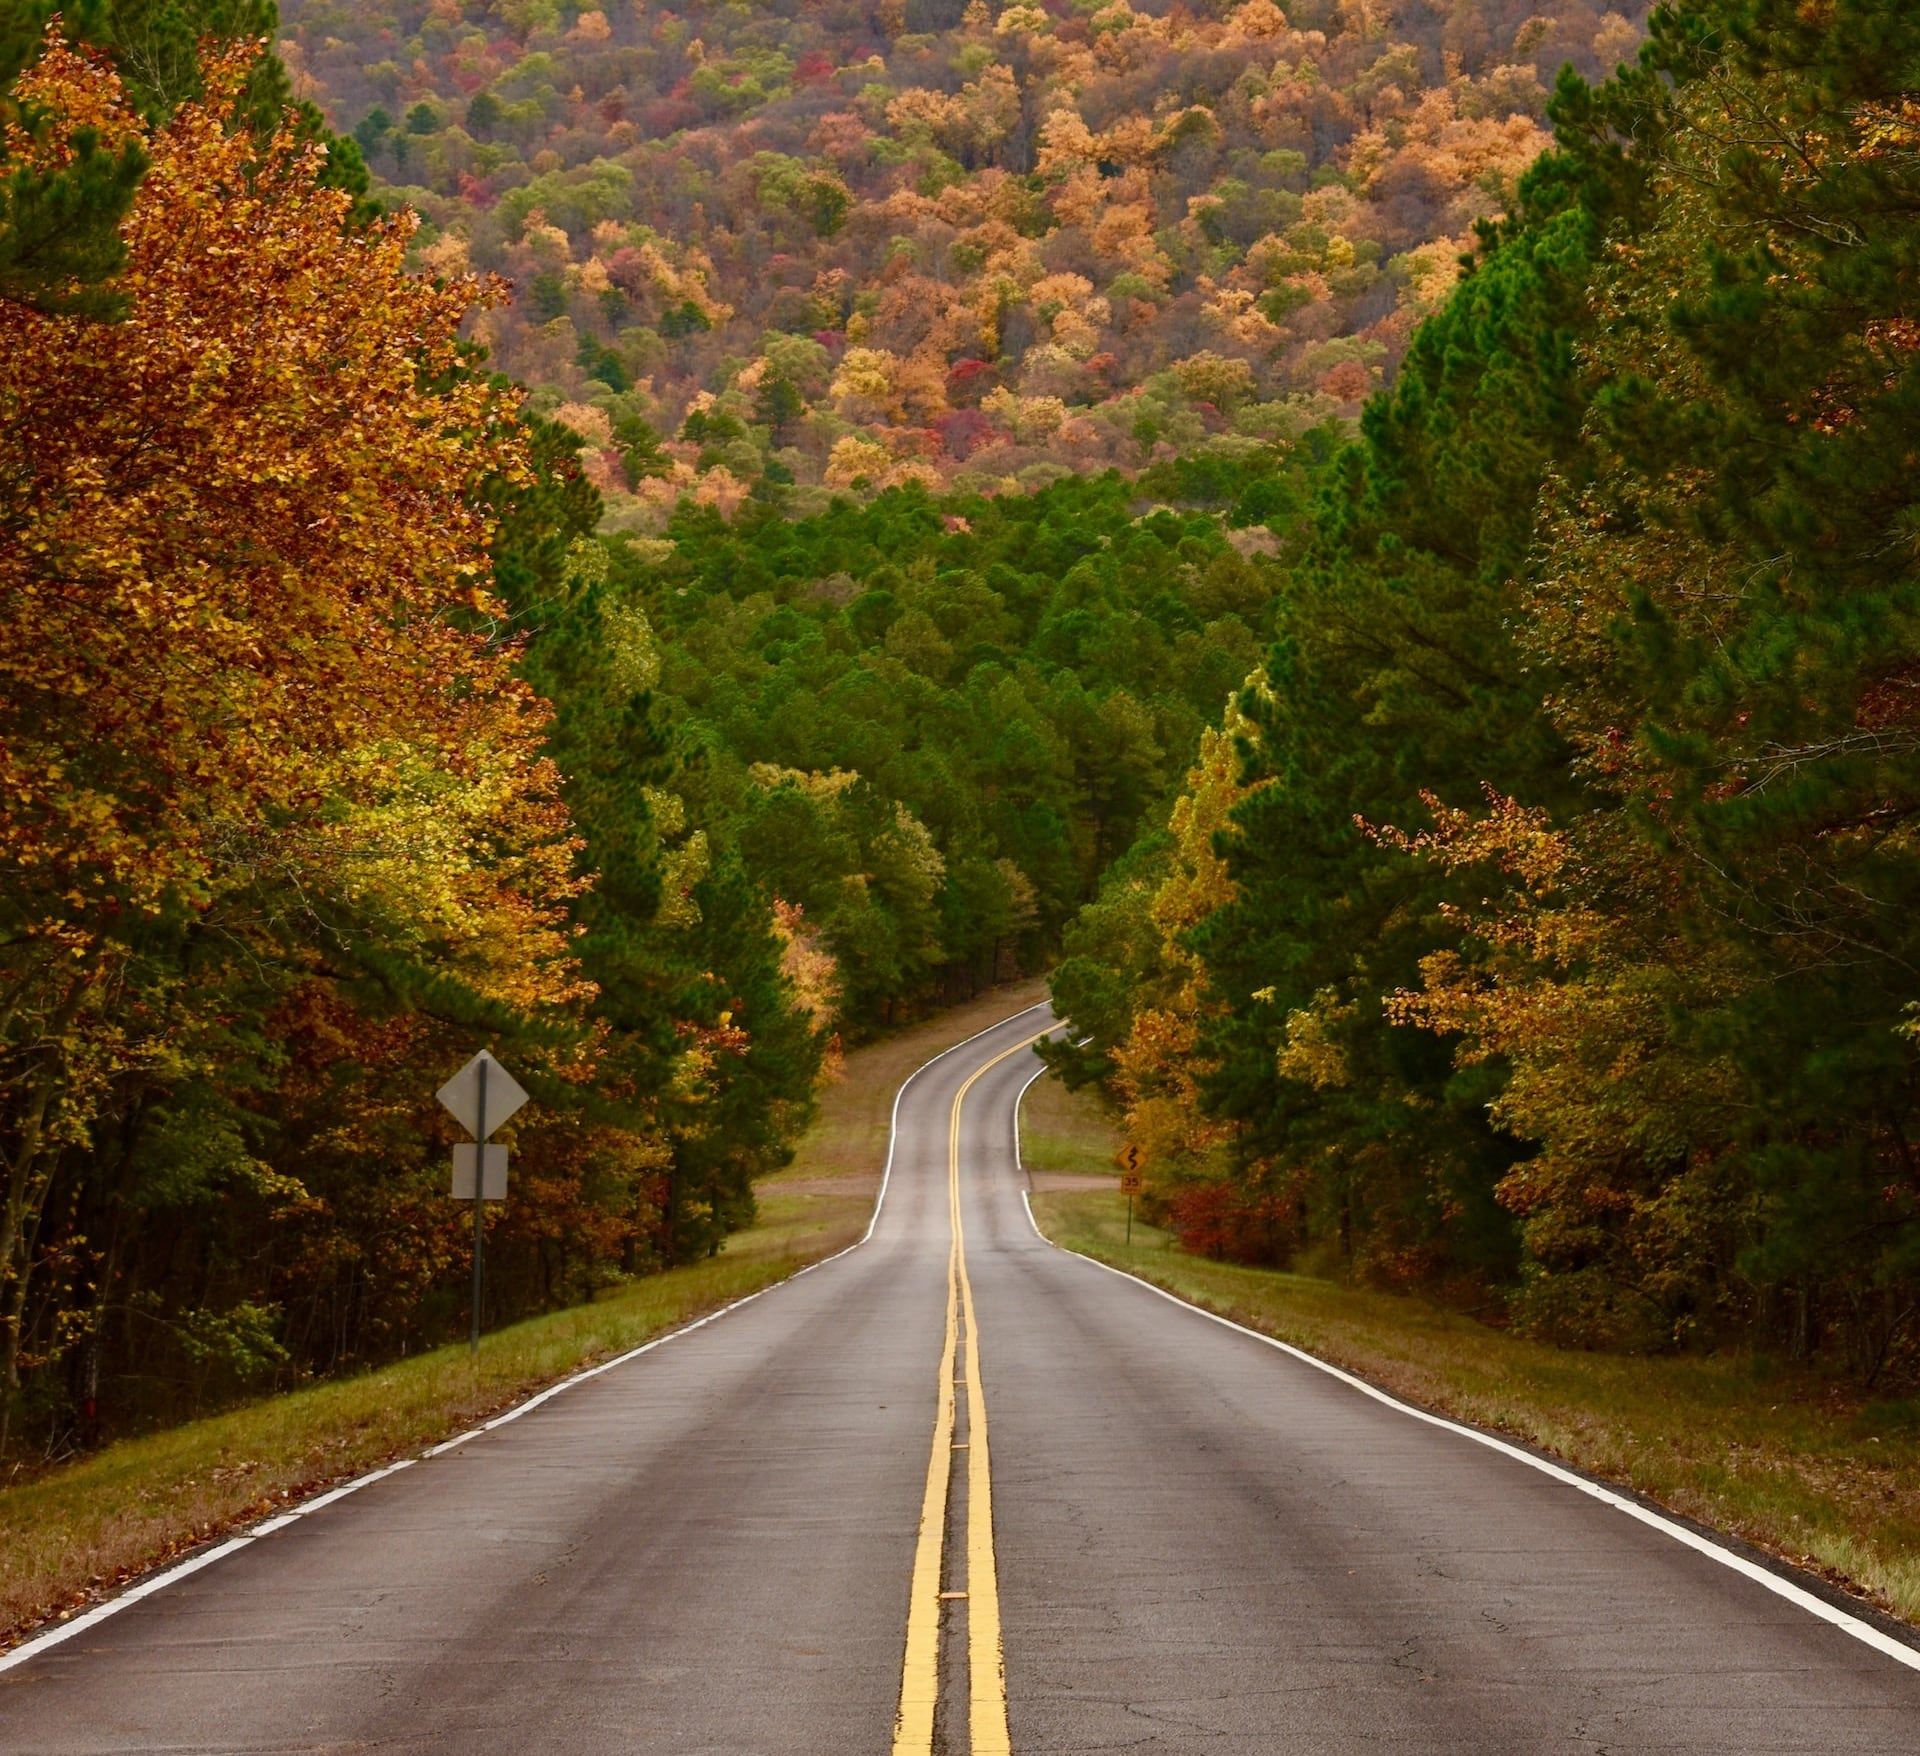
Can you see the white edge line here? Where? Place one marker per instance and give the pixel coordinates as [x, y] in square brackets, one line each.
[1865, 1632]
[160, 1580]
[133, 1594]
[1020, 1164]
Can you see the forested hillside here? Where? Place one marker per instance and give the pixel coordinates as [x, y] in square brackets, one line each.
[287, 829]
[932, 726]
[1544, 927]
[1535, 927]
[338, 741]
[939, 240]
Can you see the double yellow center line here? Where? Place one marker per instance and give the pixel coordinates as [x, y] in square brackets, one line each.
[986, 1662]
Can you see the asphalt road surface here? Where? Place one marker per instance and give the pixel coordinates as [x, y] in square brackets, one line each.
[774, 1535]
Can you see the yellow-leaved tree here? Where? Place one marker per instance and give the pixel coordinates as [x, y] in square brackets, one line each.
[1157, 1069]
[255, 720]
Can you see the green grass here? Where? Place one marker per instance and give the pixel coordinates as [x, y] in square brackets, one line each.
[1796, 1464]
[72, 1534]
[1065, 1134]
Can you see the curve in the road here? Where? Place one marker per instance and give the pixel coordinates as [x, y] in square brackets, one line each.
[1202, 1544]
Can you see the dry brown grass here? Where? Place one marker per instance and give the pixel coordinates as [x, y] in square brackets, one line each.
[1066, 1141]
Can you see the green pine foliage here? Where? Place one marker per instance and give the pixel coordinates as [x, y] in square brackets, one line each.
[1568, 946]
[932, 723]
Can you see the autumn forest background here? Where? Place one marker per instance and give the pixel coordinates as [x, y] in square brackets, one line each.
[1373, 537]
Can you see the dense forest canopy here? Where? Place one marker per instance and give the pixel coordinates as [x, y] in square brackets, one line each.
[937, 240]
[976, 704]
[941, 538]
[338, 739]
[1545, 925]
[288, 828]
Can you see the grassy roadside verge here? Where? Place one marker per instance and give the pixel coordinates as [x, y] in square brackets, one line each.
[1794, 1464]
[1066, 1141]
[74, 1534]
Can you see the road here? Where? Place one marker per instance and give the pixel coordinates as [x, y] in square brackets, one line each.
[797, 1528]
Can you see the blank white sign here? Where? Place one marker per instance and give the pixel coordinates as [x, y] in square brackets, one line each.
[461, 1094]
[463, 1156]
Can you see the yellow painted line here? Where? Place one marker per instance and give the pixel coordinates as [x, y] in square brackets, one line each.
[920, 1671]
[986, 1660]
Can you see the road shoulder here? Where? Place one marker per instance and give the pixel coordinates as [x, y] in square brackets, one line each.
[1803, 1472]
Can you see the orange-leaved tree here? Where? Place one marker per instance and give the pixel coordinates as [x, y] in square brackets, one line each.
[253, 711]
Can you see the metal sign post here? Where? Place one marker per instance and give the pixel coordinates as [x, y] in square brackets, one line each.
[480, 1215]
[481, 1096]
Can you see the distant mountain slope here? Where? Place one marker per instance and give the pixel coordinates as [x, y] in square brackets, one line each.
[856, 244]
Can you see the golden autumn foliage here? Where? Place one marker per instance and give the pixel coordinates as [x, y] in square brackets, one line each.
[1247, 182]
[256, 725]
[245, 547]
[1157, 1069]
[813, 974]
[1580, 1001]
